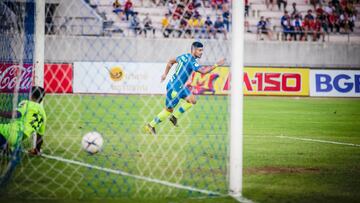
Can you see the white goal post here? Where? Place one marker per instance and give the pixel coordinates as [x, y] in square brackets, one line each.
[236, 119]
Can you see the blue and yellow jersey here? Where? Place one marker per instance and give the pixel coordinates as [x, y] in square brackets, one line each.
[186, 64]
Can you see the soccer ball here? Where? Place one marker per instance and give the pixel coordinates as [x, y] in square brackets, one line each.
[92, 142]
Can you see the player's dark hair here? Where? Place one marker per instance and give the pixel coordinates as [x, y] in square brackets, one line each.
[37, 93]
[196, 45]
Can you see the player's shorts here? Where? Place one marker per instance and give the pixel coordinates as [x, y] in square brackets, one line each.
[173, 97]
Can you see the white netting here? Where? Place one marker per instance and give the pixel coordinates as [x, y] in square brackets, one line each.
[102, 75]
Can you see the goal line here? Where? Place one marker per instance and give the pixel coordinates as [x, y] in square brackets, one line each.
[119, 172]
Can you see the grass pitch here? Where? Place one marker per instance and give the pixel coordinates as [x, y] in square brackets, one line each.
[295, 150]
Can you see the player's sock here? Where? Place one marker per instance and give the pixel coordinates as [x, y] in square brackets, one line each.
[160, 117]
[183, 108]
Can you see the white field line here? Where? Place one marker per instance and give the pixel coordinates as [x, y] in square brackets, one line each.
[321, 141]
[119, 172]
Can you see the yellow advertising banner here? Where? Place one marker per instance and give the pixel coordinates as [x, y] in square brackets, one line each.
[257, 81]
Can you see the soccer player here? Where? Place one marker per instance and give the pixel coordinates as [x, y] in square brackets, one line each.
[176, 89]
[30, 118]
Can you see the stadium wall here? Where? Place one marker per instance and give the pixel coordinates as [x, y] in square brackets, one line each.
[278, 54]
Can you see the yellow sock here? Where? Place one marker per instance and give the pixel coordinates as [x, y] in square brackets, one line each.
[160, 117]
[184, 107]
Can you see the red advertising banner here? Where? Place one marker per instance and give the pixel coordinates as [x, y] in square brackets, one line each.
[257, 81]
[58, 78]
[11, 73]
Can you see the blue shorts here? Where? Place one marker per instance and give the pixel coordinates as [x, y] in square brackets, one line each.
[173, 97]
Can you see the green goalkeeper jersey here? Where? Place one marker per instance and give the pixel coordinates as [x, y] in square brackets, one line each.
[32, 119]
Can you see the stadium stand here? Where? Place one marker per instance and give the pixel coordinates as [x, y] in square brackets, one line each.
[199, 19]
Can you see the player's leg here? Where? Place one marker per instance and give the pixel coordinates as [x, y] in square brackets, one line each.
[4, 135]
[172, 100]
[189, 101]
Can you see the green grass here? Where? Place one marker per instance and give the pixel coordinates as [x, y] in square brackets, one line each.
[275, 169]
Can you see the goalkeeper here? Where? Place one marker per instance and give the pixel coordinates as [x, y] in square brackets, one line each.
[30, 118]
[176, 88]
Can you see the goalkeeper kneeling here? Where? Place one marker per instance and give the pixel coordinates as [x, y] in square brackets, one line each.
[29, 118]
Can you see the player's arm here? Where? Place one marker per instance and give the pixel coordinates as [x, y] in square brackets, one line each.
[208, 69]
[171, 62]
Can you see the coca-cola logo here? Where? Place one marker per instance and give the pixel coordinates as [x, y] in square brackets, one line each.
[10, 74]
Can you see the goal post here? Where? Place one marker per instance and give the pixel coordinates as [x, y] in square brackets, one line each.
[236, 118]
[39, 43]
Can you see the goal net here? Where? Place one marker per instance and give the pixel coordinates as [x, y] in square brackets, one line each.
[103, 73]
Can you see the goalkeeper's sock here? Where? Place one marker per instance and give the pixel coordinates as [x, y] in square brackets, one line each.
[183, 108]
[160, 117]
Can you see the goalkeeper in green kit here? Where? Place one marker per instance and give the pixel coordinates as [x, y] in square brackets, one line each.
[30, 118]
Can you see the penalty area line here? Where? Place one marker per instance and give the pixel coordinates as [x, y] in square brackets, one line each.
[321, 141]
[119, 172]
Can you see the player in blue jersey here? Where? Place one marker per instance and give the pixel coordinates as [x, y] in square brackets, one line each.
[176, 89]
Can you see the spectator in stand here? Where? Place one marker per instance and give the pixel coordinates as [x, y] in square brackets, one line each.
[352, 19]
[332, 19]
[183, 26]
[117, 9]
[116, 6]
[347, 22]
[288, 29]
[198, 25]
[320, 11]
[219, 27]
[335, 3]
[135, 23]
[165, 24]
[295, 11]
[247, 7]
[314, 3]
[179, 11]
[268, 2]
[176, 24]
[308, 27]
[148, 25]
[208, 25]
[171, 6]
[128, 9]
[298, 28]
[309, 15]
[226, 17]
[284, 18]
[269, 28]
[318, 30]
[217, 4]
[284, 24]
[343, 3]
[262, 29]
[196, 3]
[189, 11]
[192, 23]
[284, 2]
[155, 2]
[328, 9]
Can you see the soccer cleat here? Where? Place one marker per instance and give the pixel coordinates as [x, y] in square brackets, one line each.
[150, 129]
[173, 120]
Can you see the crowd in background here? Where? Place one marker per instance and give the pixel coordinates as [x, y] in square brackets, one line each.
[332, 16]
[182, 18]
